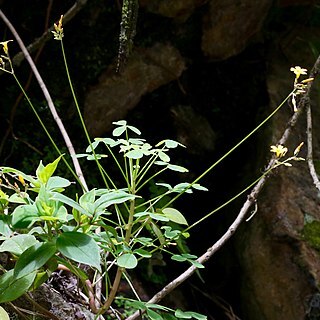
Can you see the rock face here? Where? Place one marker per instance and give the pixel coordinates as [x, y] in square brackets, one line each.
[116, 94]
[193, 130]
[280, 266]
[229, 25]
[181, 9]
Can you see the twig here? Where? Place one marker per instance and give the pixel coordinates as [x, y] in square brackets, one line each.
[49, 100]
[312, 169]
[246, 206]
[78, 5]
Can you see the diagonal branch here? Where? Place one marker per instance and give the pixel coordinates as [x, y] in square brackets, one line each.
[49, 100]
[246, 206]
[19, 57]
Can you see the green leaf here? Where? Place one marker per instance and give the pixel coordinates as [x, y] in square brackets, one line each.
[135, 304]
[69, 202]
[182, 187]
[154, 315]
[61, 214]
[163, 156]
[177, 168]
[127, 260]
[169, 233]
[135, 130]
[57, 184]
[40, 279]
[155, 216]
[3, 314]
[197, 264]
[33, 258]
[157, 306]
[158, 233]
[170, 144]
[178, 257]
[24, 216]
[189, 315]
[12, 288]
[44, 173]
[113, 197]
[18, 244]
[174, 215]
[22, 198]
[4, 226]
[134, 154]
[87, 201]
[120, 123]
[143, 253]
[79, 247]
[199, 187]
[119, 131]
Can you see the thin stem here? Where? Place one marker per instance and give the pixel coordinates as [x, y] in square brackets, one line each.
[150, 178]
[228, 202]
[80, 114]
[232, 149]
[45, 129]
[49, 100]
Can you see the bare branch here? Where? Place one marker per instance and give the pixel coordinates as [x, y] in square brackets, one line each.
[312, 169]
[49, 100]
[18, 58]
[243, 212]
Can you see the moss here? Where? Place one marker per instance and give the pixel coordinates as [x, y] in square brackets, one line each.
[311, 233]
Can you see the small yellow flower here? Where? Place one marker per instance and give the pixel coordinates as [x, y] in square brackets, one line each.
[58, 30]
[298, 71]
[5, 46]
[279, 150]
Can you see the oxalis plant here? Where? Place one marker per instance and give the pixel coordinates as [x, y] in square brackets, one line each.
[102, 233]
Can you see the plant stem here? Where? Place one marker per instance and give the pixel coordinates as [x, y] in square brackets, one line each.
[232, 149]
[49, 100]
[80, 114]
[45, 130]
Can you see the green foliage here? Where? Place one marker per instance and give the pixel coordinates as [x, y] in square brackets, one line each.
[79, 247]
[114, 226]
[53, 228]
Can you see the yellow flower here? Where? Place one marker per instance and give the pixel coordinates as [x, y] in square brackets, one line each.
[58, 30]
[279, 150]
[5, 46]
[298, 71]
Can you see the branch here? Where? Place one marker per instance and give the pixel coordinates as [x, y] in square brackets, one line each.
[49, 100]
[18, 58]
[312, 169]
[243, 212]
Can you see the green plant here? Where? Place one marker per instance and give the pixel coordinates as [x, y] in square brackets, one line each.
[109, 228]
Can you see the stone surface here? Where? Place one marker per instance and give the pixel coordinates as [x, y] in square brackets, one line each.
[281, 275]
[115, 94]
[193, 130]
[229, 25]
[180, 9]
